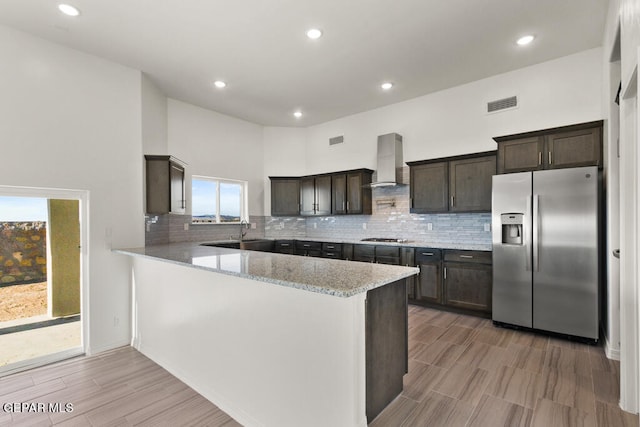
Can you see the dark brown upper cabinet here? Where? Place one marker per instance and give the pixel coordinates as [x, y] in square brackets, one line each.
[164, 185]
[428, 188]
[470, 184]
[315, 195]
[452, 184]
[337, 193]
[350, 192]
[285, 196]
[562, 147]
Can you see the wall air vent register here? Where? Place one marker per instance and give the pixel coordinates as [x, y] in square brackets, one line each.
[502, 104]
[336, 140]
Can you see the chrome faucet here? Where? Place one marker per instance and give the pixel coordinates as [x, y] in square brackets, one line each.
[244, 228]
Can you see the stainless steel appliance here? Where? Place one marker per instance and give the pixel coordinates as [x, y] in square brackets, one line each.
[546, 262]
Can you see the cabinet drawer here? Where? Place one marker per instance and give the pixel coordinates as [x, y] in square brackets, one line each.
[305, 245]
[477, 257]
[428, 255]
[332, 250]
[283, 246]
[332, 247]
[332, 254]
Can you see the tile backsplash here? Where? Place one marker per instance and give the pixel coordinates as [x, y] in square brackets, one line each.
[390, 218]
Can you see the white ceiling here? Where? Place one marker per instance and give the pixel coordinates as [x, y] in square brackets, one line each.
[260, 49]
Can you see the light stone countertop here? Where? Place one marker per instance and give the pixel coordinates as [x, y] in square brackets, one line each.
[409, 243]
[327, 276]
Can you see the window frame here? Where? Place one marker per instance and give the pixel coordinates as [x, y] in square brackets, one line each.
[244, 205]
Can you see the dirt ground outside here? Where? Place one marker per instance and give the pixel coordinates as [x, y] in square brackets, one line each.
[20, 301]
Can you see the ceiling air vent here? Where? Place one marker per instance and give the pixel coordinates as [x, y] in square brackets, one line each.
[502, 104]
[336, 140]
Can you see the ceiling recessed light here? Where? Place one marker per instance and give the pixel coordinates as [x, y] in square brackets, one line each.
[219, 84]
[297, 114]
[386, 85]
[314, 33]
[525, 40]
[69, 10]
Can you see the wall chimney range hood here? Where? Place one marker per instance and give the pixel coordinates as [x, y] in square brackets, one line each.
[389, 168]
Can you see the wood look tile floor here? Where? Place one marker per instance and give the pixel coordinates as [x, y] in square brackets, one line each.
[463, 371]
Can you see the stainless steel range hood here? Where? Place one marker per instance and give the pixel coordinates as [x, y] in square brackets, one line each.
[389, 168]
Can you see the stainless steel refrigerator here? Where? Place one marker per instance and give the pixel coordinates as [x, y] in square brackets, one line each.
[546, 263]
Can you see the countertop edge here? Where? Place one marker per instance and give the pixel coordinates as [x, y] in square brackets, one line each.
[291, 284]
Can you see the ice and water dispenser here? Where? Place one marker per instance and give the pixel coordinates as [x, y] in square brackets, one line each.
[512, 228]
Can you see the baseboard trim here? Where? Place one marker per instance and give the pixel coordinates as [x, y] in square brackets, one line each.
[610, 351]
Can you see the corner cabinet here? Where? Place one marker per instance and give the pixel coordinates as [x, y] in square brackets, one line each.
[164, 185]
[285, 196]
[336, 193]
[350, 192]
[563, 147]
[453, 184]
[315, 195]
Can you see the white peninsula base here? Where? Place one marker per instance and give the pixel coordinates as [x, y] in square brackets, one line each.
[267, 355]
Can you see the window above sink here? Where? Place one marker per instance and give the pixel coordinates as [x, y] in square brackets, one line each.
[218, 200]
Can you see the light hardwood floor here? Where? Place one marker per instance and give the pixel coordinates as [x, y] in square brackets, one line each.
[463, 371]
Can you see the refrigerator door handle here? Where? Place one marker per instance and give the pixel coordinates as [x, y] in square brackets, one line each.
[527, 236]
[536, 232]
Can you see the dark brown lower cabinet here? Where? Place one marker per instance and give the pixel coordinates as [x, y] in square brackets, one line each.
[408, 259]
[467, 280]
[386, 345]
[364, 253]
[284, 246]
[429, 281]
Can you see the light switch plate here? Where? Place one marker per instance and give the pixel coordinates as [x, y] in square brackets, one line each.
[429, 226]
[487, 227]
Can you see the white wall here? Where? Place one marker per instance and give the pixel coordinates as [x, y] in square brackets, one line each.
[611, 80]
[627, 14]
[153, 118]
[284, 155]
[217, 145]
[453, 121]
[72, 121]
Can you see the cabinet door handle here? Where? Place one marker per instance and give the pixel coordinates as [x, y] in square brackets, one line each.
[445, 273]
[347, 206]
[550, 158]
[306, 246]
[331, 247]
[343, 206]
[284, 245]
[539, 158]
[466, 256]
[452, 201]
[427, 253]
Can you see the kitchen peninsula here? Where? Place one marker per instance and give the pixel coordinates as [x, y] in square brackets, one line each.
[274, 339]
